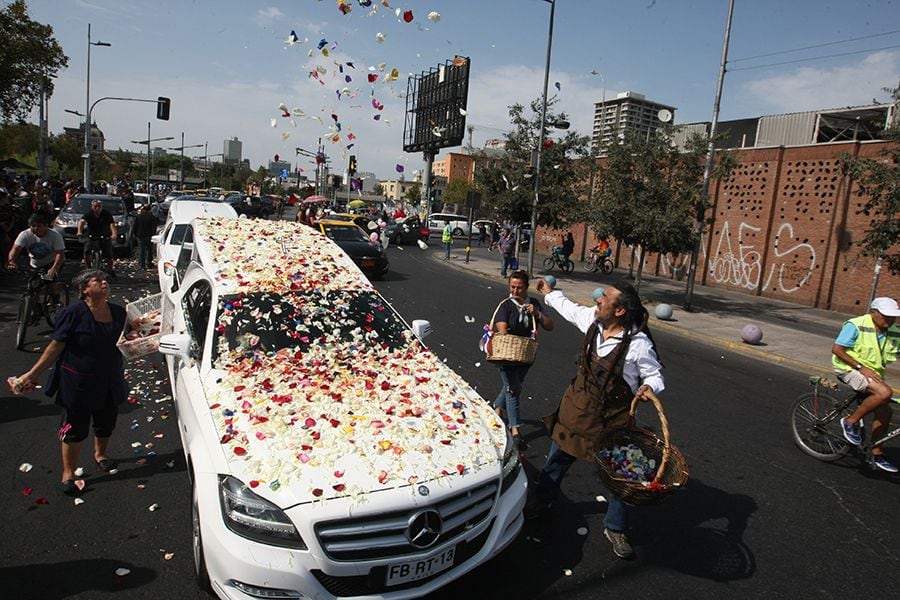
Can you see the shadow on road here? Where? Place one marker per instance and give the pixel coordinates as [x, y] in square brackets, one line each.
[72, 578]
[687, 533]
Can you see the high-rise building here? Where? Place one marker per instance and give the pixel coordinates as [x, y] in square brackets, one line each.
[232, 151]
[628, 112]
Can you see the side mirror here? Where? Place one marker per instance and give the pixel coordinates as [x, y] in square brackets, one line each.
[421, 328]
[154, 239]
[176, 344]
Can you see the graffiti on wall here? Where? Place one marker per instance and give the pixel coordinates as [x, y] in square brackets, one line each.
[739, 263]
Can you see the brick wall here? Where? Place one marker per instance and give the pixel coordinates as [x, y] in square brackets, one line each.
[785, 225]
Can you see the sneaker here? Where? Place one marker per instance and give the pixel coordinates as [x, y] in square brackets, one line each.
[619, 541]
[882, 463]
[851, 432]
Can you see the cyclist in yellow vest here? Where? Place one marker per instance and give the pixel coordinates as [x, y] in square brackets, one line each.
[862, 350]
[447, 239]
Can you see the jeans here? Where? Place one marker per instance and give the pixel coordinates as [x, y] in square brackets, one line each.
[511, 377]
[556, 467]
[506, 262]
[145, 250]
[447, 249]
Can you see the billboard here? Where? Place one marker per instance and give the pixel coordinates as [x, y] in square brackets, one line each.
[436, 107]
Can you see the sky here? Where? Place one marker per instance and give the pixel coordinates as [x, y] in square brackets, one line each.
[227, 65]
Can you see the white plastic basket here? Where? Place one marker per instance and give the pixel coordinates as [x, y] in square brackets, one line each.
[147, 344]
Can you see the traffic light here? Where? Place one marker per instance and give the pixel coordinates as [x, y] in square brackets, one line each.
[162, 108]
[351, 168]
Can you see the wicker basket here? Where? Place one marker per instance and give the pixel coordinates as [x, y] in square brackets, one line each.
[141, 346]
[511, 348]
[671, 475]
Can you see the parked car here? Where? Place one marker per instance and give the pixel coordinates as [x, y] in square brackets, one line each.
[177, 230]
[329, 452]
[459, 223]
[369, 257]
[66, 222]
[407, 230]
[140, 199]
[252, 206]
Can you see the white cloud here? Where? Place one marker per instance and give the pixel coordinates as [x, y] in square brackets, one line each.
[811, 88]
[269, 13]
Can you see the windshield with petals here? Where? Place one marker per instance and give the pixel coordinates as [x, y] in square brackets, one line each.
[307, 322]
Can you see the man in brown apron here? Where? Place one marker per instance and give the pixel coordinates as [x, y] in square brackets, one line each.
[617, 361]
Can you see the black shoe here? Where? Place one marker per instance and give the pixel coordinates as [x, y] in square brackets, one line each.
[68, 487]
[106, 465]
[621, 546]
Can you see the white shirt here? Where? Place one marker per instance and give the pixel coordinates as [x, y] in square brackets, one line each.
[641, 363]
[41, 250]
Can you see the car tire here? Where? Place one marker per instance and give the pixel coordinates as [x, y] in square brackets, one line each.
[200, 572]
[458, 232]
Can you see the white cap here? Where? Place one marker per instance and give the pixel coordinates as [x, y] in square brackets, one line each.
[886, 306]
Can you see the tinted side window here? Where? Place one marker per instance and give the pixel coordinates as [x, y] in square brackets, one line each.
[197, 303]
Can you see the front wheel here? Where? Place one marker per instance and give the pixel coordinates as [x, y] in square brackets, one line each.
[817, 429]
[548, 263]
[23, 318]
[56, 298]
[607, 266]
[200, 572]
[458, 232]
[590, 265]
[567, 266]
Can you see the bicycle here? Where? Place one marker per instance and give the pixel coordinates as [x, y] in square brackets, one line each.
[598, 261]
[93, 257]
[557, 259]
[43, 298]
[816, 423]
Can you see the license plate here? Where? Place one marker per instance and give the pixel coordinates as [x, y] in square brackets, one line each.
[420, 569]
[368, 262]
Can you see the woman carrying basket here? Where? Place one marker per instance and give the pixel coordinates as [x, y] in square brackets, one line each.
[516, 315]
[617, 362]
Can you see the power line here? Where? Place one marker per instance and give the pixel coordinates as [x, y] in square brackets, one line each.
[848, 40]
[788, 62]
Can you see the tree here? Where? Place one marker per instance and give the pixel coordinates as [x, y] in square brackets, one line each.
[67, 155]
[879, 181]
[414, 194]
[378, 190]
[455, 192]
[507, 185]
[30, 55]
[649, 193]
[19, 139]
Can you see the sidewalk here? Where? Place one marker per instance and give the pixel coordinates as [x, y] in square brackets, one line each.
[794, 335]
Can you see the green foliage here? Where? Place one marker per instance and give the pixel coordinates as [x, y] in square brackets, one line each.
[649, 192]
[455, 192]
[29, 54]
[879, 181]
[18, 139]
[414, 194]
[378, 189]
[507, 187]
[67, 156]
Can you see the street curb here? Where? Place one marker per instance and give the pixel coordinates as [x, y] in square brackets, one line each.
[739, 347]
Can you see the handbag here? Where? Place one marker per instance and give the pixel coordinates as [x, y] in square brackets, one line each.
[508, 347]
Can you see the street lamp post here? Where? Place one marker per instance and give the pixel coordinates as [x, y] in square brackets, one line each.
[181, 164]
[147, 142]
[537, 160]
[87, 111]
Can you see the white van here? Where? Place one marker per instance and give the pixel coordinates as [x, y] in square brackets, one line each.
[459, 223]
[329, 451]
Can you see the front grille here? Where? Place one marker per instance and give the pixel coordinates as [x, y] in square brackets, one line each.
[374, 582]
[384, 535]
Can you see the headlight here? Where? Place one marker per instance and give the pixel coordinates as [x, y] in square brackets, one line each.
[64, 221]
[255, 518]
[511, 464]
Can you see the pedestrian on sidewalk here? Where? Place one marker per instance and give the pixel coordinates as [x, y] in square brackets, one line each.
[862, 350]
[514, 317]
[144, 229]
[88, 377]
[495, 235]
[507, 248]
[482, 234]
[617, 362]
[447, 238]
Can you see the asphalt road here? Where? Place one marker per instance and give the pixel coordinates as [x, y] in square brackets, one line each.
[758, 518]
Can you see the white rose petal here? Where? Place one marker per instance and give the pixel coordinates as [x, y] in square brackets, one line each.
[25, 467]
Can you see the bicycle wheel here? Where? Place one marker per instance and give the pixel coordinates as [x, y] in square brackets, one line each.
[548, 263]
[590, 265]
[817, 429]
[606, 266]
[24, 316]
[53, 305]
[568, 266]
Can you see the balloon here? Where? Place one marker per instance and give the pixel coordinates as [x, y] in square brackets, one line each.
[663, 311]
[751, 334]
